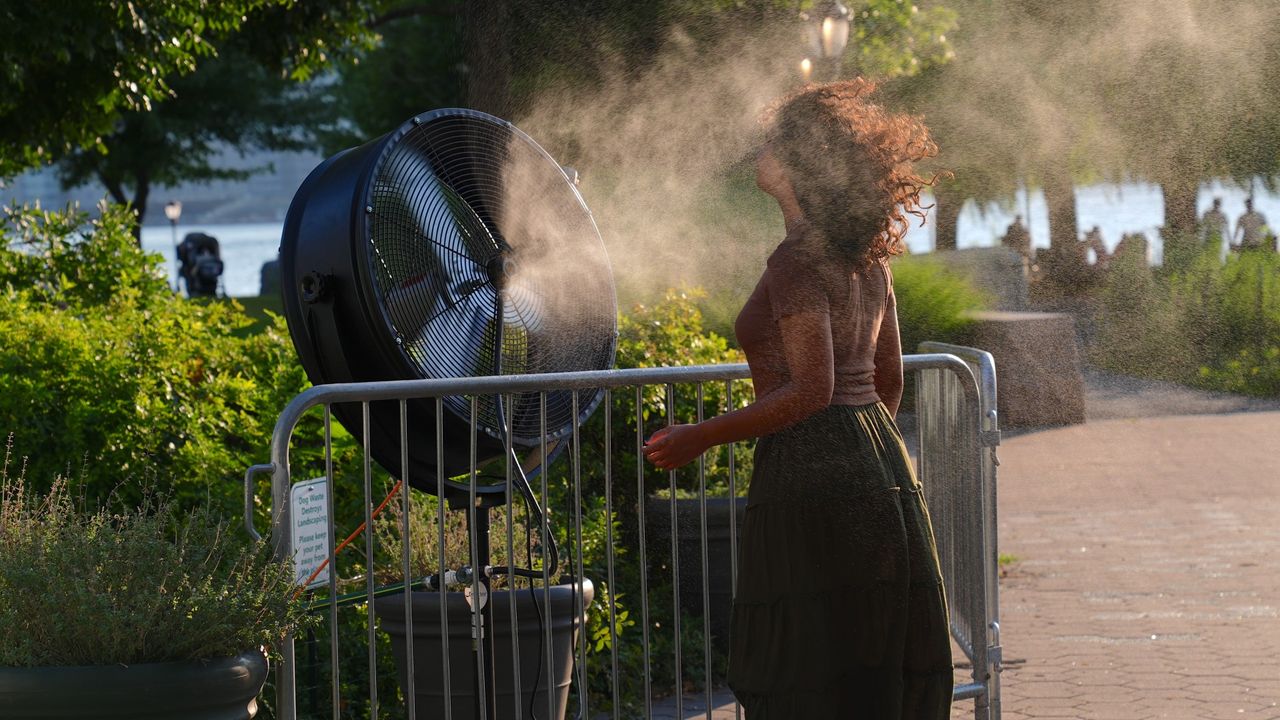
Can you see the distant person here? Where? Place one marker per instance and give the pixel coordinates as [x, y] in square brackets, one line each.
[201, 264]
[1251, 230]
[1093, 241]
[1018, 238]
[1215, 228]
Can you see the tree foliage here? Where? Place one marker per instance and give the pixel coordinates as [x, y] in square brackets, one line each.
[437, 54]
[71, 69]
[242, 92]
[1048, 92]
[232, 100]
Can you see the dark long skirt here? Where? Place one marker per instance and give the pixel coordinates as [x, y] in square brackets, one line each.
[839, 610]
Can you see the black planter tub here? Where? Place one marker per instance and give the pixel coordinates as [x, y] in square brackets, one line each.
[225, 689]
[429, 674]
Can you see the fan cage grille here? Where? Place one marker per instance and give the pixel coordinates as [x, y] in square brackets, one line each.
[451, 199]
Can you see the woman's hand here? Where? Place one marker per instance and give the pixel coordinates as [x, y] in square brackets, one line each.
[675, 445]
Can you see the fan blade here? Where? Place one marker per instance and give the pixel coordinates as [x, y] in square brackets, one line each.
[446, 249]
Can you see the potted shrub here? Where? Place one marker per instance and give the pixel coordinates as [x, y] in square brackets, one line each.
[566, 598]
[141, 613]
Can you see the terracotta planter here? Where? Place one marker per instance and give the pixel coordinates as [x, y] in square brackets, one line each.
[429, 673]
[225, 689]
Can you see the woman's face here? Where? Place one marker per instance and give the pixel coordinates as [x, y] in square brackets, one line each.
[771, 177]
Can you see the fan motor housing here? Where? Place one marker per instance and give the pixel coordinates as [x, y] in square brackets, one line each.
[453, 246]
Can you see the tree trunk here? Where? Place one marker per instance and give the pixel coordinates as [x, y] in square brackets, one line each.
[1180, 206]
[141, 193]
[139, 203]
[1178, 236]
[488, 57]
[946, 218]
[1060, 200]
[115, 189]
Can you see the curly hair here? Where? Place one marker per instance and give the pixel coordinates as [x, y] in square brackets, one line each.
[850, 163]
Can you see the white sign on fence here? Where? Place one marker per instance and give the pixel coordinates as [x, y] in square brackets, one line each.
[309, 503]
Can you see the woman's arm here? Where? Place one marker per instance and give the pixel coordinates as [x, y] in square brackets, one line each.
[888, 360]
[806, 339]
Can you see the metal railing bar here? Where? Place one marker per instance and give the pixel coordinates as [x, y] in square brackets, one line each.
[675, 563]
[706, 568]
[336, 690]
[512, 589]
[608, 525]
[579, 587]
[370, 584]
[282, 544]
[543, 382]
[478, 596]
[548, 659]
[733, 520]
[443, 589]
[405, 544]
[644, 560]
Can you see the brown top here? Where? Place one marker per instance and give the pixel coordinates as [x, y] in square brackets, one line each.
[803, 278]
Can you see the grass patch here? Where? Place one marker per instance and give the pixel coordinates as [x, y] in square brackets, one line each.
[256, 309]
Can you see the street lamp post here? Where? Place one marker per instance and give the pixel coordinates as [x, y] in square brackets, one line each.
[826, 30]
[173, 211]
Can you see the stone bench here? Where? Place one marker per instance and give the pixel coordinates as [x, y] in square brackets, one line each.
[1038, 375]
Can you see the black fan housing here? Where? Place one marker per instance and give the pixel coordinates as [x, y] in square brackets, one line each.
[453, 246]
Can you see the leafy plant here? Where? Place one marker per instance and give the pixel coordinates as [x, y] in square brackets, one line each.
[103, 364]
[1209, 324]
[144, 584]
[934, 302]
[1248, 373]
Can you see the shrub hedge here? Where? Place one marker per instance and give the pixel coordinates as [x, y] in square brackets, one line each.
[1208, 324]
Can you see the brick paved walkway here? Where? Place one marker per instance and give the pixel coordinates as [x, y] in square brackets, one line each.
[1148, 584]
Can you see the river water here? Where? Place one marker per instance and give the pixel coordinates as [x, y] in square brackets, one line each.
[1115, 209]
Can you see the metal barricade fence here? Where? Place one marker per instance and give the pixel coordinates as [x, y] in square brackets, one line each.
[587, 647]
[959, 490]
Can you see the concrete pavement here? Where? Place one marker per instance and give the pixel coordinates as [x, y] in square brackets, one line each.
[1148, 578]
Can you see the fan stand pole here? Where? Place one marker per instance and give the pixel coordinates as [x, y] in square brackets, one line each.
[485, 659]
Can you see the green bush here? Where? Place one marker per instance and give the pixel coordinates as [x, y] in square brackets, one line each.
[146, 584]
[1206, 324]
[934, 302]
[105, 368]
[1140, 327]
[1249, 373]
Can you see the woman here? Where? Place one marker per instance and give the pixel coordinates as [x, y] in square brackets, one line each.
[839, 610]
